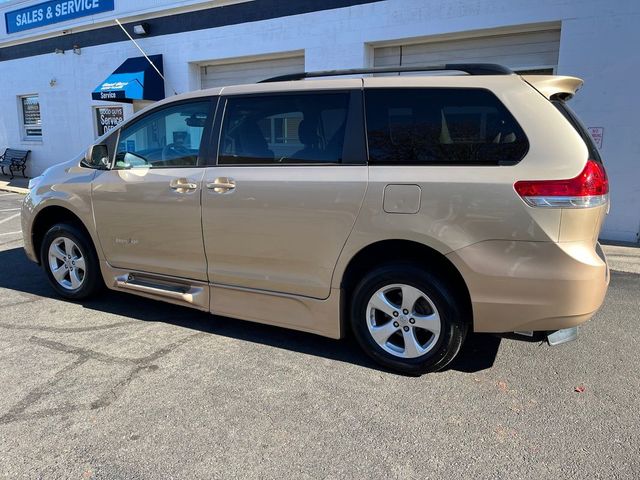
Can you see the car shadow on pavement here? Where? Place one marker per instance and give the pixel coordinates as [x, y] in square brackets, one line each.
[19, 274]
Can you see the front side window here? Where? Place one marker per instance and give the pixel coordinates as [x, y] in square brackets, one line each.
[284, 129]
[166, 138]
[441, 126]
[31, 119]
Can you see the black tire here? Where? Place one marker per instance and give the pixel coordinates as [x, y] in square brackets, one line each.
[448, 302]
[92, 278]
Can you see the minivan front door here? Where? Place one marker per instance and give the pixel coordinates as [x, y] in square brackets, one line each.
[147, 207]
[289, 183]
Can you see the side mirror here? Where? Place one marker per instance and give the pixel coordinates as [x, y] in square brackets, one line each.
[98, 157]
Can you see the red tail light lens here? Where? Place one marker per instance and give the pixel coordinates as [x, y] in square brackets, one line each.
[589, 189]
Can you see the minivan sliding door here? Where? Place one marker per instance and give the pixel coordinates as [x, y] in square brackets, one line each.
[289, 182]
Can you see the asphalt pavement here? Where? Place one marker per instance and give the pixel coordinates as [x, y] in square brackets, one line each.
[122, 387]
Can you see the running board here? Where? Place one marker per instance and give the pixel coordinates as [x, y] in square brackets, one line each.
[190, 293]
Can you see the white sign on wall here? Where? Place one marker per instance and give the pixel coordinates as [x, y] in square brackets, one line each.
[597, 133]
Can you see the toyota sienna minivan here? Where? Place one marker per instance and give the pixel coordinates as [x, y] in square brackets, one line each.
[408, 210]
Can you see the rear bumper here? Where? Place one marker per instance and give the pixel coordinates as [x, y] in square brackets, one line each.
[532, 286]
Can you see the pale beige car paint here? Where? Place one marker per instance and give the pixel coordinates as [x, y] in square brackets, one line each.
[69, 188]
[283, 227]
[554, 85]
[145, 225]
[532, 286]
[279, 259]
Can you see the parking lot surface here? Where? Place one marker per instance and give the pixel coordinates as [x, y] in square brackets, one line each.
[121, 387]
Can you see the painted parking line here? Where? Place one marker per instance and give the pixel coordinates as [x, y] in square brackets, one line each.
[10, 210]
[9, 218]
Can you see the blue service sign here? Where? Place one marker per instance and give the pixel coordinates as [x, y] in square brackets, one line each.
[120, 86]
[54, 11]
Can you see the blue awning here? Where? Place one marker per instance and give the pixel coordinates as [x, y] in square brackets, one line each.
[135, 79]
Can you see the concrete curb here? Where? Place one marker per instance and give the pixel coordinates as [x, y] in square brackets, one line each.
[622, 258]
[17, 185]
[6, 188]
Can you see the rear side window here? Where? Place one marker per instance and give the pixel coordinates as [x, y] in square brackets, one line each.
[580, 128]
[441, 126]
[284, 129]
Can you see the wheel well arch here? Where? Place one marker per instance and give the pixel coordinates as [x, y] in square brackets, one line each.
[387, 251]
[48, 217]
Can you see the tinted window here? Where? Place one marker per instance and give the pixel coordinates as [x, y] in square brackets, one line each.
[580, 128]
[441, 126]
[169, 137]
[292, 128]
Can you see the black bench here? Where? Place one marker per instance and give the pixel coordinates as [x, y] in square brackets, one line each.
[15, 160]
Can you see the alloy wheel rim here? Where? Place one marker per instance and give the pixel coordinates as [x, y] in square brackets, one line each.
[66, 263]
[403, 321]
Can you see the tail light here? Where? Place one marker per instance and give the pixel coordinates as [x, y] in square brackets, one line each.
[589, 189]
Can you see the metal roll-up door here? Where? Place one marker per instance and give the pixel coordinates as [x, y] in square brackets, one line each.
[238, 73]
[531, 51]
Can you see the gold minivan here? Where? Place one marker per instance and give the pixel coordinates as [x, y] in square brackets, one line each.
[407, 209]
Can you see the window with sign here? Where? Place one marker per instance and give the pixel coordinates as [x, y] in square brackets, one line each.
[107, 118]
[31, 119]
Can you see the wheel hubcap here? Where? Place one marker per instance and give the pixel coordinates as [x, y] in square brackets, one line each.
[403, 321]
[67, 263]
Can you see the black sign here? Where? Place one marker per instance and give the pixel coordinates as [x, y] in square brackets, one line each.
[117, 96]
[31, 110]
[107, 118]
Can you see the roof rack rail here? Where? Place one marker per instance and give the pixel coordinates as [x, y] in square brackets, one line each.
[470, 68]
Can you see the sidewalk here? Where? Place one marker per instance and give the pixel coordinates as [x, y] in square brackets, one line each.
[621, 257]
[17, 185]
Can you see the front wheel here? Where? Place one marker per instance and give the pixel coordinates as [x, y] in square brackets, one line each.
[70, 262]
[407, 319]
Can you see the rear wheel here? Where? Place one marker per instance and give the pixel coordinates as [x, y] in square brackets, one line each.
[408, 319]
[70, 262]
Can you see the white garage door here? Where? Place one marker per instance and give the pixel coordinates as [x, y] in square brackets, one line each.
[240, 72]
[519, 51]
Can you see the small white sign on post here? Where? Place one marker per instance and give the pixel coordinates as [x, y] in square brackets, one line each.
[597, 133]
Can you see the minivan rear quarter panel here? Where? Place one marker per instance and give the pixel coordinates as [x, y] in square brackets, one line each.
[463, 206]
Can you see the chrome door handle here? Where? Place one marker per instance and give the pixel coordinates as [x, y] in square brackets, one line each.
[182, 185]
[222, 185]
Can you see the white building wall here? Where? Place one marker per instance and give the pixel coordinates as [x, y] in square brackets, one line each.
[599, 43]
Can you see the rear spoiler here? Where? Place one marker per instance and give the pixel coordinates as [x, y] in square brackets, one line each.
[554, 87]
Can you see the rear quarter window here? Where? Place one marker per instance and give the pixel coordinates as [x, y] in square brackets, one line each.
[441, 126]
[574, 120]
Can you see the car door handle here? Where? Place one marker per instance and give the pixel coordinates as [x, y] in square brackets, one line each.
[222, 185]
[182, 185]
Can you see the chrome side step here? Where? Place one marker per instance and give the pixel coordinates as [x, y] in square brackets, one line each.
[194, 294]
